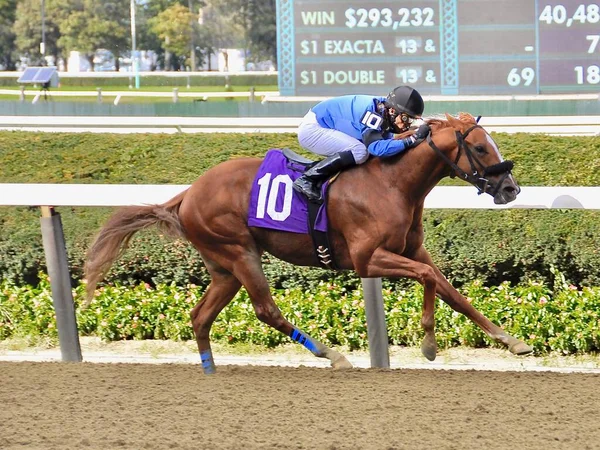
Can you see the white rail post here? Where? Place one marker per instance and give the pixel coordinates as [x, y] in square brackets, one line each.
[60, 282]
[376, 325]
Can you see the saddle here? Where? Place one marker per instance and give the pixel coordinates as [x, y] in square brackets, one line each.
[295, 157]
[320, 239]
[276, 205]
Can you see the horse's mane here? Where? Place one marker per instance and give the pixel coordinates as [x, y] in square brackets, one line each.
[437, 123]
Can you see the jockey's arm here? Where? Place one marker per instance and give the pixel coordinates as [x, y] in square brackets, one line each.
[384, 146]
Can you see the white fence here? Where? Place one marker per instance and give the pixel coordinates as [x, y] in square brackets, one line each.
[441, 197]
[554, 125]
[174, 95]
[47, 196]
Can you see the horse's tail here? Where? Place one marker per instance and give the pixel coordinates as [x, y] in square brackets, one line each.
[114, 237]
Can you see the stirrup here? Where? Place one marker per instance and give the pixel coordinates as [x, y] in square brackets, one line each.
[308, 189]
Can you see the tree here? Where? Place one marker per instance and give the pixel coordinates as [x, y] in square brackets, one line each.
[173, 28]
[28, 28]
[219, 28]
[146, 38]
[95, 25]
[247, 24]
[7, 35]
[262, 30]
[155, 7]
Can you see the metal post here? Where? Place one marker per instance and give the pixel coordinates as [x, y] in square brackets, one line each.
[175, 95]
[134, 56]
[192, 40]
[376, 325]
[99, 95]
[60, 282]
[252, 94]
[22, 94]
[43, 43]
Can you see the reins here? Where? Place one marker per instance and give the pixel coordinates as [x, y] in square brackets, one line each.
[475, 178]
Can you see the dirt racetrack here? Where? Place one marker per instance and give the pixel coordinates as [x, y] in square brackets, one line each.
[145, 406]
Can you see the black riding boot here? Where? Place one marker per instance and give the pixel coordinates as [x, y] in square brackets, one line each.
[309, 183]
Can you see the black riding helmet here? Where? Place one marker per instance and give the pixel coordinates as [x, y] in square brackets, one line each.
[405, 99]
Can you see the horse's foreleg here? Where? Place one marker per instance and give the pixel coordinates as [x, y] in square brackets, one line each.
[248, 270]
[383, 263]
[219, 293]
[460, 304]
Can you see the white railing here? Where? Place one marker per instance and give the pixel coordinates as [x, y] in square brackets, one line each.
[117, 96]
[47, 196]
[441, 197]
[140, 124]
[553, 125]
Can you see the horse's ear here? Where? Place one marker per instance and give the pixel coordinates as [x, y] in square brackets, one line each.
[453, 121]
[466, 117]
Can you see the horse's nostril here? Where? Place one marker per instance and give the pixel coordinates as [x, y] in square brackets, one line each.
[512, 189]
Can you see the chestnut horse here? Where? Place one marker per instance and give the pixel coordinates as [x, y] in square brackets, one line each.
[375, 212]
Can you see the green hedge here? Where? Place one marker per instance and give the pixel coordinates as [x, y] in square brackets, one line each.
[559, 319]
[540, 160]
[491, 246]
[160, 80]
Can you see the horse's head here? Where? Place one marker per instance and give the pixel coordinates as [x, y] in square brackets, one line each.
[473, 156]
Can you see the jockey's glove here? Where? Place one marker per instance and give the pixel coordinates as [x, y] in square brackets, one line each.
[417, 137]
[422, 132]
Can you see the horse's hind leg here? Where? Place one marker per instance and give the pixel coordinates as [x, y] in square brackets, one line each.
[248, 270]
[219, 293]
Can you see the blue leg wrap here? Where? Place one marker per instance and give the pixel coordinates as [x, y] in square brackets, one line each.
[208, 364]
[303, 339]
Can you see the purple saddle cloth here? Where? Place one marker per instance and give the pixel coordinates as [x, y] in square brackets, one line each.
[273, 201]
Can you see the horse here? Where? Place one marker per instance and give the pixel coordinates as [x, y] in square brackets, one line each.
[376, 229]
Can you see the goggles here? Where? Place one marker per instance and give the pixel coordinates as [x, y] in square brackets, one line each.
[405, 118]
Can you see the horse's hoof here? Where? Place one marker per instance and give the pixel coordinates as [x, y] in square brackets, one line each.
[341, 363]
[429, 348]
[209, 369]
[520, 348]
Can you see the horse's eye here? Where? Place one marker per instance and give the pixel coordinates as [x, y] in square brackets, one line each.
[480, 149]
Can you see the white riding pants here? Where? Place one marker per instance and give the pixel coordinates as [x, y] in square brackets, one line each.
[326, 141]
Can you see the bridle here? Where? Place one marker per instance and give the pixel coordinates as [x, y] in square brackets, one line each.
[475, 178]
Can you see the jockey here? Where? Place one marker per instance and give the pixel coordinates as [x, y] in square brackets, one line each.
[349, 128]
